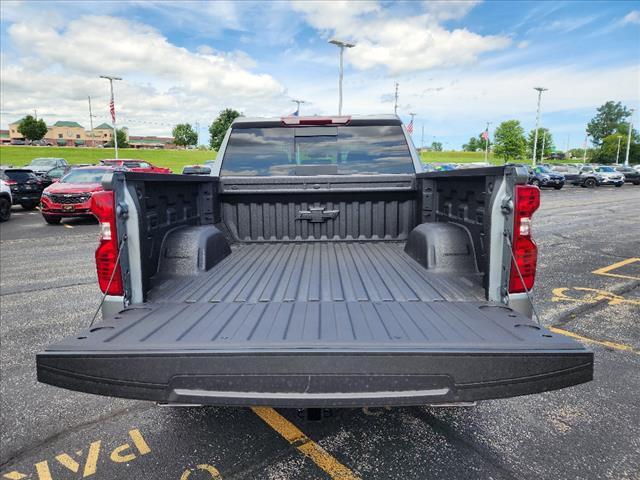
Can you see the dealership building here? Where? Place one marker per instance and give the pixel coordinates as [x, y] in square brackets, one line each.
[72, 134]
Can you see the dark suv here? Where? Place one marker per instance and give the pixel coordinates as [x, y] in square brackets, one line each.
[631, 175]
[541, 176]
[25, 186]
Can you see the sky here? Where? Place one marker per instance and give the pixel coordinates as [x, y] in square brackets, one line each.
[459, 64]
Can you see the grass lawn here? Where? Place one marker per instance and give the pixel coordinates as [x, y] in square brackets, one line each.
[456, 157]
[18, 156]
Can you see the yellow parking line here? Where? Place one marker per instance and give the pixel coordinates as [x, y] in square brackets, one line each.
[304, 444]
[606, 270]
[66, 225]
[605, 343]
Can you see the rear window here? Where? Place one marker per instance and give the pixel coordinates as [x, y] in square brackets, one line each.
[325, 150]
[20, 175]
[43, 162]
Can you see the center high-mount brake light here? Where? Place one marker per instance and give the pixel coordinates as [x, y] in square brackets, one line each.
[296, 121]
[103, 207]
[525, 250]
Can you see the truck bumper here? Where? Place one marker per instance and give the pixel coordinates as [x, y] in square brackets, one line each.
[304, 380]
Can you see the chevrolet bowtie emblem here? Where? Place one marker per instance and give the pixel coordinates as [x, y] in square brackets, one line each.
[317, 214]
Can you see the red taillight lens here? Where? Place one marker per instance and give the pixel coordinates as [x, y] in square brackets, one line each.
[525, 250]
[10, 182]
[103, 207]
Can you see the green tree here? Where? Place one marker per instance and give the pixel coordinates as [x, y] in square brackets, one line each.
[607, 121]
[184, 135]
[32, 128]
[509, 142]
[123, 141]
[473, 145]
[220, 126]
[609, 149]
[544, 137]
[436, 146]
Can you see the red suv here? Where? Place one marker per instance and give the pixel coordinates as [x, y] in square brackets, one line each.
[134, 165]
[71, 196]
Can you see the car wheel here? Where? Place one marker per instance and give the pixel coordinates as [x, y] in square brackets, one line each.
[636, 183]
[589, 183]
[618, 185]
[5, 209]
[29, 205]
[558, 187]
[51, 220]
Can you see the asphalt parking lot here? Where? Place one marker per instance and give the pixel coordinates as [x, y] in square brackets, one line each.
[588, 286]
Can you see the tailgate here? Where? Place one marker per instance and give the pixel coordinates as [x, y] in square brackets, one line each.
[316, 354]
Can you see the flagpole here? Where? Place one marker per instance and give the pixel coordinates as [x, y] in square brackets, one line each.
[486, 146]
[112, 107]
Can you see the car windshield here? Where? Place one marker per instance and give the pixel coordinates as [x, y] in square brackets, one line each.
[605, 169]
[19, 175]
[333, 150]
[90, 175]
[43, 162]
[542, 170]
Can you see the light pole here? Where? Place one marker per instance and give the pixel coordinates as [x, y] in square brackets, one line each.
[298, 103]
[544, 138]
[486, 141]
[112, 109]
[618, 152]
[395, 105]
[584, 155]
[626, 157]
[535, 137]
[342, 45]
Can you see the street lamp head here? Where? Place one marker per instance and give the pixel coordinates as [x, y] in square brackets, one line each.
[540, 89]
[110, 77]
[340, 43]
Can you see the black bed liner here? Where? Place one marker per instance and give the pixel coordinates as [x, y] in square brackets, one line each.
[316, 324]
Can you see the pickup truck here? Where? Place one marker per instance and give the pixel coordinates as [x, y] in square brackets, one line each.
[317, 266]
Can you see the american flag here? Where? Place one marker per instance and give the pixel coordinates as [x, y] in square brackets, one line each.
[112, 109]
[485, 135]
[410, 127]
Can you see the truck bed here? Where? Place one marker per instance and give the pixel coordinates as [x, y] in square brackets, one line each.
[316, 324]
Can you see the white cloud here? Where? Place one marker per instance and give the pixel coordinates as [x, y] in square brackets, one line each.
[406, 43]
[633, 17]
[59, 68]
[523, 44]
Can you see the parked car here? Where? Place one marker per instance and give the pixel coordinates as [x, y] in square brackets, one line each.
[134, 165]
[71, 196]
[25, 186]
[610, 176]
[5, 201]
[636, 167]
[40, 166]
[631, 175]
[587, 177]
[544, 177]
[54, 175]
[301, 283]
[446, 167]
[196, 170]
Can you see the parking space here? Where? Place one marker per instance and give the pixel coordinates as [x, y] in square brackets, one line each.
[588, 285]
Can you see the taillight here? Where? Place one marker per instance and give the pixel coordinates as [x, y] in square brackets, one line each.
[525, 250]
[103, 207]
[10, 182]
[295, 120]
